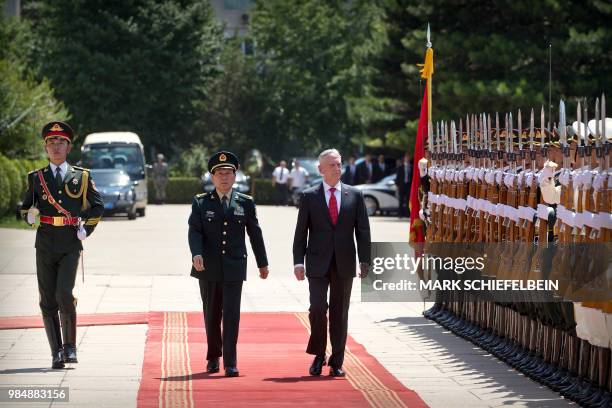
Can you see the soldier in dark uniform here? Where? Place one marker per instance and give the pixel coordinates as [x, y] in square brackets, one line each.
[217, 224]
[69, 207]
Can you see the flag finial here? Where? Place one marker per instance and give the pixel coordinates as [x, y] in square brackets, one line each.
[428, 36]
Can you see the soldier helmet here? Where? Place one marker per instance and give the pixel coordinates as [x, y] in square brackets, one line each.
[223, 159]
[57, 129]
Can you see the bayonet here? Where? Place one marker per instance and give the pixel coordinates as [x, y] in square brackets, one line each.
[532, 152]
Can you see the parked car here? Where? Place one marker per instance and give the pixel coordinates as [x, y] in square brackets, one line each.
[380, 197]
[119, 151]
[119, 192]
[242, 184]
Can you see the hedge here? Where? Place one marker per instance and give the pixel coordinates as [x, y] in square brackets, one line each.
[180, 190]
[13, 181]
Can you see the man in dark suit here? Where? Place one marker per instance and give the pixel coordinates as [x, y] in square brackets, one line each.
[217, 227]
[68, 206]
[403, 181]
[330, 215]
[350, 172]
[380, 170]
[365, 170]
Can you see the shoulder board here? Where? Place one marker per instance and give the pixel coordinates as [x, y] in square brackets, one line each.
[37, 170]
[242, 195]
[201, 195]
[80, 168]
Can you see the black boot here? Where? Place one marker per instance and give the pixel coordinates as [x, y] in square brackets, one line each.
[69, 324]
[54, 336]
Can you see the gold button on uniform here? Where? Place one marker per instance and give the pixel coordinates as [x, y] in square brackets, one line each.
[59, 201]
[60, 192]
[223, 242]
[225, 223]
[223, 251]
[224, 233]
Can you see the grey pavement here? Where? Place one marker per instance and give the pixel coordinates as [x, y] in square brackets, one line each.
[143, 265]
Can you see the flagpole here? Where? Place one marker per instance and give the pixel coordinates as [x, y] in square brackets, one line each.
[428, 85]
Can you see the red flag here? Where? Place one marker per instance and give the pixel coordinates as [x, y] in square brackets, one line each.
[416, 224]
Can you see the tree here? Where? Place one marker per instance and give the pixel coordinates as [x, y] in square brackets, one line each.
[138, 65]
[26, 104]
[494, 57]
[310, 56]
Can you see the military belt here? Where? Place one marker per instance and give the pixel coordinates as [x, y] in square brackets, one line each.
[59, 221]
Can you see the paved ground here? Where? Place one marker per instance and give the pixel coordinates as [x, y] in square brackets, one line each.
[141, 265]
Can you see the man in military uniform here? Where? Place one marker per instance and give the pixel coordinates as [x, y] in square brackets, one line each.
[69, 207]
[160, 179]
[217, 225]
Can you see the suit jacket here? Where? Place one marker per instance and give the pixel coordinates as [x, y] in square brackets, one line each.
[348, 177]
[363, 173]
[219, 236]
[400, 181]
[379, 173]
[317, 239]
[70, 197]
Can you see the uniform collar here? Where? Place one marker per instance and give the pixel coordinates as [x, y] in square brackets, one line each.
[228, 195]
[63, 167]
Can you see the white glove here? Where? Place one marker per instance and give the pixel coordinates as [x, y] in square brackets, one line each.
[81, 233]
[423, 167]
[32, 214]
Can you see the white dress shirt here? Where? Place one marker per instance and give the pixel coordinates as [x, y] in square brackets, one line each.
[336, 194]
[63, 169]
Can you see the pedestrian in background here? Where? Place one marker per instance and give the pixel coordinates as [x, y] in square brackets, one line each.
[160, 179]
[280, 178]
[349, 176]
[403, 181]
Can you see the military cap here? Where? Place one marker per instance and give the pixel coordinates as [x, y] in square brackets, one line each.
[57, 129]
[223, 159]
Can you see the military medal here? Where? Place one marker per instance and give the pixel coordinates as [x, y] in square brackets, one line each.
[239, 210]
[75, 181]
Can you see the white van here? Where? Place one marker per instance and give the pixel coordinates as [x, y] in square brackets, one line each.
[111, 156]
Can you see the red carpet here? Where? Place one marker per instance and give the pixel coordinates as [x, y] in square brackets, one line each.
[96, 319]
[273, 368]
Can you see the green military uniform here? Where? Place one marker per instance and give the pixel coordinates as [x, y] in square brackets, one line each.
[57, 244]
[217, 233]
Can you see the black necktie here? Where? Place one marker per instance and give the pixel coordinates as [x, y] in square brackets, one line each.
[224, 203]
[58, 177]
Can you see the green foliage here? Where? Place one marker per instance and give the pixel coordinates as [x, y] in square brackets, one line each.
[192, 162]
[26, 104]
[138, 65]
[494, 57]
[313, 77]
[180, 190]
[264, 191]
[12, 187]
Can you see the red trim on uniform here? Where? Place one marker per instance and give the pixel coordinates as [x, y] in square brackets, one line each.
[57, 134]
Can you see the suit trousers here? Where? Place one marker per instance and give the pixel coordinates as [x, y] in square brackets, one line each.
[339, 300]
[56, 274]
[221, 301]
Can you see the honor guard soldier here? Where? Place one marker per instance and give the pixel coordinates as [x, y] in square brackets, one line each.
[217, 226]
[65, 201]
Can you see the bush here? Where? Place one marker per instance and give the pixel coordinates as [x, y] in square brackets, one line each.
[15, 186]
[180, 190]
[5, 188]
[263, 191]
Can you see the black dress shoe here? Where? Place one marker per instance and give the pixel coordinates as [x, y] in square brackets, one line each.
[70, 355]
[212, 366]
[336, 372]
[58, 360]
[317, 365]
[231, 372]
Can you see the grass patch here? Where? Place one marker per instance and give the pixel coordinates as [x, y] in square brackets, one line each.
[9, 221]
